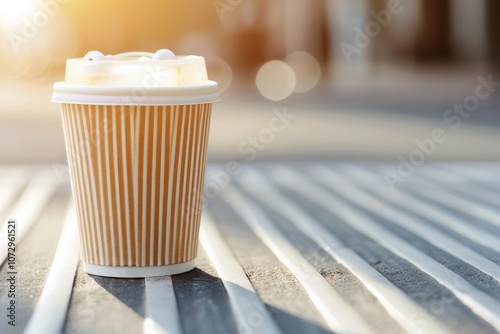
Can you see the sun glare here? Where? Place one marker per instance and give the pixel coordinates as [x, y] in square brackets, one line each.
[12, 13]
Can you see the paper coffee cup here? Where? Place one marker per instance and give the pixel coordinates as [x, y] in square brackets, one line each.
[136, 132]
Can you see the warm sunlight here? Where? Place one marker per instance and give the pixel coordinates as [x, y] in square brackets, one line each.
[13, 13]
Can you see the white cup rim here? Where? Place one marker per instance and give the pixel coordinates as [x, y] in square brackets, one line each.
[136, 95]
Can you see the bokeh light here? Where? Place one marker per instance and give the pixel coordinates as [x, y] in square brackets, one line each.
[219, 71]
[307, 70]
[276, 80]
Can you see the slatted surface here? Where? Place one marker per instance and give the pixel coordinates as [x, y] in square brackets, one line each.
[285, 248]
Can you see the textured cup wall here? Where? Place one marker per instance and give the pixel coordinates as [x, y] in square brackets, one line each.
[137, 176]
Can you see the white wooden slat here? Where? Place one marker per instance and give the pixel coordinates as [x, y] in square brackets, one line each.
[433, 212]
[244, 301]
[479, 302]
[382, 208]
[401, 307]
[11, 182]
[473, 190]
[162, 313]
[451, 200]
[29, 206]
[338, 314]
[50, 312]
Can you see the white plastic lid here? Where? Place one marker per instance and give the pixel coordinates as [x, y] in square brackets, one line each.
[136, 78]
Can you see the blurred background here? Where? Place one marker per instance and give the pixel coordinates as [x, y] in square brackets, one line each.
[343, 79]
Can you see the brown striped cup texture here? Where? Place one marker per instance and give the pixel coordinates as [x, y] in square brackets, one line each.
[137, 177]
[136, 129]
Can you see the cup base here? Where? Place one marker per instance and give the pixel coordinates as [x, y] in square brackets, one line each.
[138, 272]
